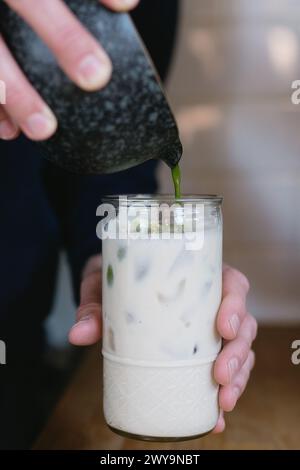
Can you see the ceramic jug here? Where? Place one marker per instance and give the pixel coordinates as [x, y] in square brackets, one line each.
[120, 126]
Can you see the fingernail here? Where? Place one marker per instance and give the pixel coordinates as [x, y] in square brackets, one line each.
[85, 318]
[82, 319]
[234, 323]
[233, 366]
[7, 130]
[42, 125]
[93, 73]
[126, 4]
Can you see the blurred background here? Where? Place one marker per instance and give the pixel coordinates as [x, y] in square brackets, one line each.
[231, 90]
[230, 87]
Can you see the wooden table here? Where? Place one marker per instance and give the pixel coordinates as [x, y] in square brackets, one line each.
[267, 416]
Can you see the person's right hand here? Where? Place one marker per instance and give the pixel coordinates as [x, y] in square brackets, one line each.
[77, 52]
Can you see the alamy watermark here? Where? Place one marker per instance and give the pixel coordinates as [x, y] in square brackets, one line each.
[2, 353]
[295, 96]
[2, 92]
[295, 358]
[152, 221]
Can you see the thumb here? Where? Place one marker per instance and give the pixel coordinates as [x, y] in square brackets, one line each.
[87, 329]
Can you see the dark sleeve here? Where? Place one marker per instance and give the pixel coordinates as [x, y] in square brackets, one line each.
[157, 22]
[76, 198]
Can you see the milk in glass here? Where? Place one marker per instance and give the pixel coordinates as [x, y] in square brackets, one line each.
[160, 301]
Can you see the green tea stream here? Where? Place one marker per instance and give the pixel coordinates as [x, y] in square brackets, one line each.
[176, 176]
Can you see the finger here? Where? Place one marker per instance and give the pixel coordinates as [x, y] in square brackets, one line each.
[248, 330]
[8, 129]
[120, 5]
[233, 307]
[235, 353]
[90, 291]
[229, 394]
[93, 265]
[87, 329]
[220, 426]
[77, 51]
[23, 104]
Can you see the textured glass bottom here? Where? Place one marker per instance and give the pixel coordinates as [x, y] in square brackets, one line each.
[160, 402]
[138, 437]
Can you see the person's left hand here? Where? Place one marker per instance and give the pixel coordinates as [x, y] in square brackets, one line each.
[236, 326]
[238, 329]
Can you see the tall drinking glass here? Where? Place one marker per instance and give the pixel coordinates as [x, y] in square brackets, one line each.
[162, 283]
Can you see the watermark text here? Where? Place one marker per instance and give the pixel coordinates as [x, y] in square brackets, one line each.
[155, 221]
[296, 354]
[2, 353]
[295, 97]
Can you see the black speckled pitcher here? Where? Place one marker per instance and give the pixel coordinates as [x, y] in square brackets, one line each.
[120, 126]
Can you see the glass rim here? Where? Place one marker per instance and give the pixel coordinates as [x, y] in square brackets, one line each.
[148, 199]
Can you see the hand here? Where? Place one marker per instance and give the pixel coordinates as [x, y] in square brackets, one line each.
[239, 329]
[88, 327]
[77, 52]
[235, 325]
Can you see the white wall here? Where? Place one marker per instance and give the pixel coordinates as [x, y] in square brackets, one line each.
[231, 88]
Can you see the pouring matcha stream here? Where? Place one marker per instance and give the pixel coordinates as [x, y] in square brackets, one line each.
[176, 176]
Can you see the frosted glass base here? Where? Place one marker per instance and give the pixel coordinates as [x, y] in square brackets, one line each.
[160, 403]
